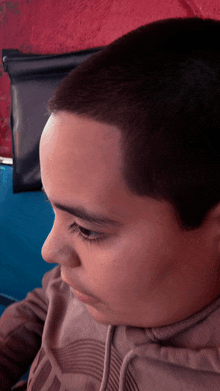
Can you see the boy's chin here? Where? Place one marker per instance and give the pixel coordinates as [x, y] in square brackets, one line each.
[99, 316]
[103, 317]
[107, 318]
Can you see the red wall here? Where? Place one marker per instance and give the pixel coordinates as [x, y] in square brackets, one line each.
[59, 26]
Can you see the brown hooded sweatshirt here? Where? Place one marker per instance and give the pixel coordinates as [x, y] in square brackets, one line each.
[52, 331]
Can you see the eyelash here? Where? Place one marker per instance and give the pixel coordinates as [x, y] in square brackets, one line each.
[75, 228]
[78, 230]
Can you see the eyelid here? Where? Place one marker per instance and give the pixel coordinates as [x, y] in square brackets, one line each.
[77, 226]
[74, 227]
[78, 212]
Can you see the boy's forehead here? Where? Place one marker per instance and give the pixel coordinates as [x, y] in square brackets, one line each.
[81, 146]
[70, 128]
[81, 156]
[88, 175]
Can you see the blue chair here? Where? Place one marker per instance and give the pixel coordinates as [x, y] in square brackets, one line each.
[25, 221]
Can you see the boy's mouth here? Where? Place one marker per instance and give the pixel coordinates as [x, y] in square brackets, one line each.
[85, 298]
[81, 294]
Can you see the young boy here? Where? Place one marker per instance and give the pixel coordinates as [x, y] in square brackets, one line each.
[130, 161]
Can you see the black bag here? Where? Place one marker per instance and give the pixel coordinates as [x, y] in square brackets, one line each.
[33, 80]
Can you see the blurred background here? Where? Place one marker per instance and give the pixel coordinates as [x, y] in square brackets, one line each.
[60, 26]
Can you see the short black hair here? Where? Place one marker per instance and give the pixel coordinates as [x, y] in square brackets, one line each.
[160, 85]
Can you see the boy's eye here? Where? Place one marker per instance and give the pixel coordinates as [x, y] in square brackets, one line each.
[86, 234]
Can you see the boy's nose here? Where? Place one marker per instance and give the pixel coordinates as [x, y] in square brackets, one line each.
[56, 249]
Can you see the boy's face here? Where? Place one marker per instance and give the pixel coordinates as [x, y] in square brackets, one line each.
[140, 270]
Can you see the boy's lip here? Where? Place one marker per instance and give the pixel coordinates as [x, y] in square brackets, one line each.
[80, 293]
[85, 298]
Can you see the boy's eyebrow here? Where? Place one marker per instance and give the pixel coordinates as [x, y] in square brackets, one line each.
[83, 214]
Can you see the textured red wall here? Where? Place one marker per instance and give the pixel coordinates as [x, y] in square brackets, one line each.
[56, 26]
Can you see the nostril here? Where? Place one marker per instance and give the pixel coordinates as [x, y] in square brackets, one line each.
[57, 247]
[67, 256]
[55, 251]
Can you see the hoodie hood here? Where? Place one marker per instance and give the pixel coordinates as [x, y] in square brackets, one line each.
[192, 343]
